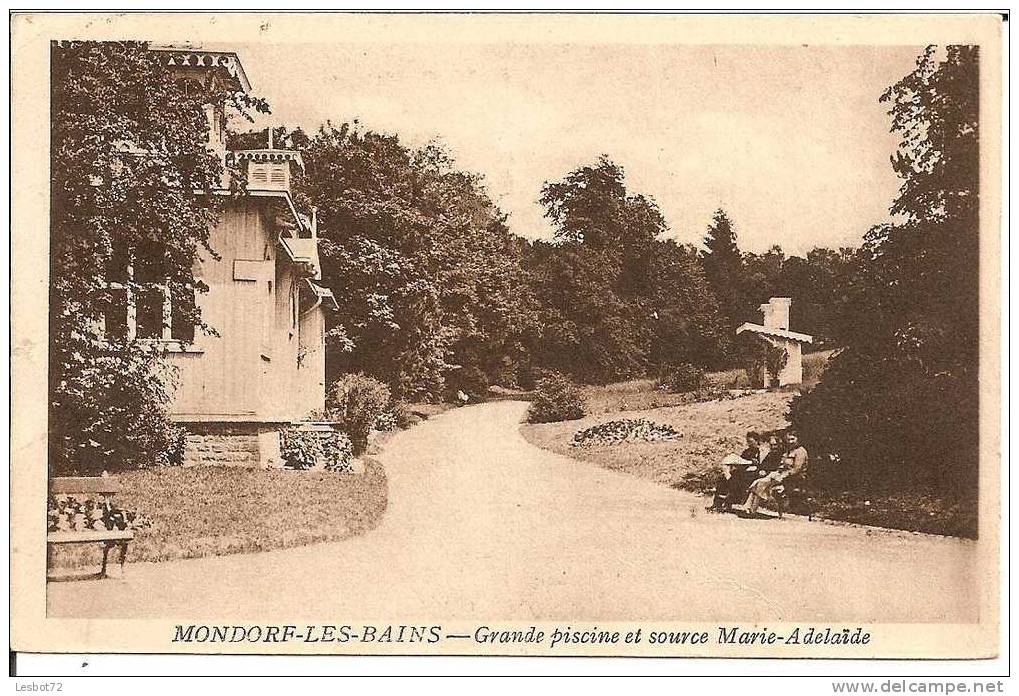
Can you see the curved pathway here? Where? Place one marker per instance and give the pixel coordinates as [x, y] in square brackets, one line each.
[482, 525]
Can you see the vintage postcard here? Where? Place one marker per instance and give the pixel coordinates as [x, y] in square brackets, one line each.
[506, 334]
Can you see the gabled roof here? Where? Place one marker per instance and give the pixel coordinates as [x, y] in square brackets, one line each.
[777, 333]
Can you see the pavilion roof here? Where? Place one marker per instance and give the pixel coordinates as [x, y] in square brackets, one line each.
[775, 332]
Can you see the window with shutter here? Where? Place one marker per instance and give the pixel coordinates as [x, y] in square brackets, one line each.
[258, 174]
[277, 176]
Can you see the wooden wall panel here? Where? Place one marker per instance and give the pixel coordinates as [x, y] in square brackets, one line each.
[220, 378]
[250, 371]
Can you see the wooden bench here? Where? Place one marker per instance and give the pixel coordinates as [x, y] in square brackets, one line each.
[91, 487]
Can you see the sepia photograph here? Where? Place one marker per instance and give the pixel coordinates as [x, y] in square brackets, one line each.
[529, 334]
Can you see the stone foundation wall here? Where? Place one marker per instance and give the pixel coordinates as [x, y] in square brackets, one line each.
[245, 445]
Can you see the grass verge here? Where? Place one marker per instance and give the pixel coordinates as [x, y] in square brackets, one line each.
[212, 511]
[710, 430]
[714, 429]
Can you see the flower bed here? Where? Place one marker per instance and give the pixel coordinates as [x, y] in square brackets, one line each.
[68, 513]
[316, 446]
[626, 430]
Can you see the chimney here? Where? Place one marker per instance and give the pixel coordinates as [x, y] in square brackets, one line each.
[776, 313]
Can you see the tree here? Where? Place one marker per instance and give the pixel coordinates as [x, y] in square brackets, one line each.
[422, 261]
[764, 276]
[594, 315]
[723, 266]
[900, 402]
[132, 183]
[775, 361]
[588, 205]
[822, 285]
[687, 326]
[618, 300]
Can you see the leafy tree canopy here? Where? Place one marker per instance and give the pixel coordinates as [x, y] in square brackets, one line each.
[132, 182]
[900, 402]
[421, 260]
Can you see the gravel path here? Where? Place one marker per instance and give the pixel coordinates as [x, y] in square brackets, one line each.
[482, 525]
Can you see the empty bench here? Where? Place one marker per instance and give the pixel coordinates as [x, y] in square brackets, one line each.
[83, 488]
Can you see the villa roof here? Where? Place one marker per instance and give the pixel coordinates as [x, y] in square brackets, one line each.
[226, 62]
[267, 155]
[777, 333]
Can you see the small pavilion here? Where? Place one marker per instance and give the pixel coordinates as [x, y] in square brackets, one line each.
[775, 330]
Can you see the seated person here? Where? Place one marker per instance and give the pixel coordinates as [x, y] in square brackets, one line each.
[772, 454]
[745, 474]
[776, 485]
[795, 460]
[767, 489]
[723, 499]
[795, 465]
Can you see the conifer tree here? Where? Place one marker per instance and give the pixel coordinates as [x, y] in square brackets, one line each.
[723, 266]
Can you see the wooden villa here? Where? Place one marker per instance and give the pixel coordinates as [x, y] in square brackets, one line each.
[266, 368]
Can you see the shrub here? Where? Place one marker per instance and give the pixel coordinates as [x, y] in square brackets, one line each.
[299, 449]
[526, 377]
[386, 422]
[814, 365]
[303, 448]
[753, 358]
[713, 393]
[556, 398]
[403, 416]
[763, 362]
[775, 359]
[109, 411]
[469, 379]
[356, 401]
[892, 427]
[681, 378]
[177, 440]
[529, 375]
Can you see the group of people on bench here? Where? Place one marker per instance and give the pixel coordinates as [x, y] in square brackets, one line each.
[763, 473]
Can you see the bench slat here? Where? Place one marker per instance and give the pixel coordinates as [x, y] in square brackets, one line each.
[90, 535]
[84, 484]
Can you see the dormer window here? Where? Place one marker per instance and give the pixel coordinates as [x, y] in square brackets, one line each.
[269, 169]
[278, 177]
[258, 174]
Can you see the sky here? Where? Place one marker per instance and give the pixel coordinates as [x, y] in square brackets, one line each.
[790, 140]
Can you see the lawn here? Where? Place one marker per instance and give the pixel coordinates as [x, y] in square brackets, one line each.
[641, 395]
[211, 511]
[712, 429]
